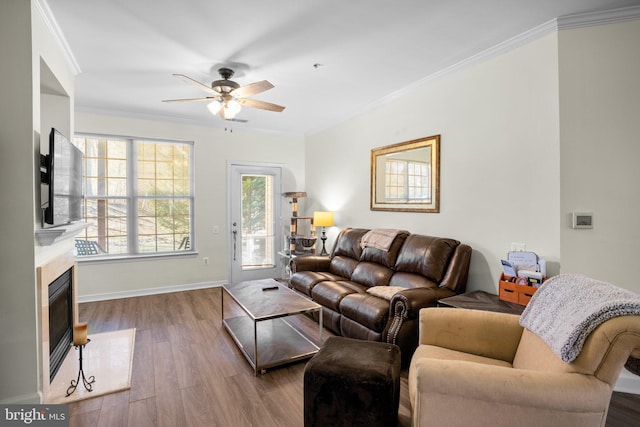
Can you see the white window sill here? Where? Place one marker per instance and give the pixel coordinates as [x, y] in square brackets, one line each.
[132, 258]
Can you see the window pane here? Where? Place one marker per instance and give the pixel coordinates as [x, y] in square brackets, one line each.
[117, 187]
[107, 231]
[146, 187]
[257, 221]
[117, 168]
[117, 149]
[146, 169]
[147, 243]
[256, 252]
[181, 187]
[169, 220]
[146, 151]
[164, 187]
[163, 169]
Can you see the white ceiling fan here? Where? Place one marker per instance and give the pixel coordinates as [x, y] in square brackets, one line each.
[227, 97]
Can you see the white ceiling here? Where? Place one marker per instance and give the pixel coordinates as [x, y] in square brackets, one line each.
[127, 51]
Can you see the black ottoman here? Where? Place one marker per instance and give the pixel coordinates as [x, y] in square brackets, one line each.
[352, 382]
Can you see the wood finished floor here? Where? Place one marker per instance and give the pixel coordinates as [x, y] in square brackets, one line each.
[188, 372]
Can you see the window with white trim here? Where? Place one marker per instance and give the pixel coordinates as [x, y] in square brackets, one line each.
[139, 196]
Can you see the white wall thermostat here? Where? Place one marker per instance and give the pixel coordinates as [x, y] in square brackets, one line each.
[582, 220]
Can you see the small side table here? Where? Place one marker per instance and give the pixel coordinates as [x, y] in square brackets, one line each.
[481, 300]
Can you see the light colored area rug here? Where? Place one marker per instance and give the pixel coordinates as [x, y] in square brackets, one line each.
[108, 357]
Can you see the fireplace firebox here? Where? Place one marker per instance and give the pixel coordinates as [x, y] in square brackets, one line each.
[60, 320]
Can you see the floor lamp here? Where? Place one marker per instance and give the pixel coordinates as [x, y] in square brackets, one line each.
[323, 219]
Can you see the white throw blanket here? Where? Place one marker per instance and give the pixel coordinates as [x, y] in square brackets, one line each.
[380, 238]
[568, 307]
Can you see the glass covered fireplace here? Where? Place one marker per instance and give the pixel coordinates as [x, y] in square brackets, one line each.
[60, 320]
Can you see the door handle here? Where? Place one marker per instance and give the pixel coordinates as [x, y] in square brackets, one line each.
[235, 236]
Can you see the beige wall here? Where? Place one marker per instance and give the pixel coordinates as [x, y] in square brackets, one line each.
[499, 158]
[600, 128]
[213, 148]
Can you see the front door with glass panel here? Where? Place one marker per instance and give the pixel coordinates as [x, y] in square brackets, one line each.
[255, 228]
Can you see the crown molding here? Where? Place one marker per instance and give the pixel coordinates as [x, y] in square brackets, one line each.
[50, 21]
[590, 19]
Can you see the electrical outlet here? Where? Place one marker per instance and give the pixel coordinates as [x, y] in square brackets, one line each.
[205, 260]
[518, 247]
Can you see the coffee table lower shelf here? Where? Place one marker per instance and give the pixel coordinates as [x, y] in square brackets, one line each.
[269, 343]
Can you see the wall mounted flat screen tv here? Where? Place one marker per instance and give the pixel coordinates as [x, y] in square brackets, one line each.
[64, 175]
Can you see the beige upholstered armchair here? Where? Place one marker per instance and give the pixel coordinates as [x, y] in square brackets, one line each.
[477, 368]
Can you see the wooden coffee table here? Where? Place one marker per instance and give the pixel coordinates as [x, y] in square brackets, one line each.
[255, 315]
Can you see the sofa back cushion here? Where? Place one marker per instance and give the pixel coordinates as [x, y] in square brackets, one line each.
[346, 251]
[426, 255]
[348, 243]
[535, 355]
[342, 266]
[371, 274]
[386, 258]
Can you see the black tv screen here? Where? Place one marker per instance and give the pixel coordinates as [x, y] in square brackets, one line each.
[65, 169]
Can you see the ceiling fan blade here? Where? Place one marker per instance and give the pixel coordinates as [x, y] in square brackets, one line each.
[262, 105]
[252, 89]
[197, 84]
[208, 98]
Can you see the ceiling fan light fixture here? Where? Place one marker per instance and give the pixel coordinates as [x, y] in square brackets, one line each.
[231, 108]
[226, 97]
[214, 107]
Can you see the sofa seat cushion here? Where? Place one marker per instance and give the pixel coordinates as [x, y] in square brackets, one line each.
[304, 281]
[368, 310]
[435, 352]
[411, 281]
[385, 292]
[329, 294]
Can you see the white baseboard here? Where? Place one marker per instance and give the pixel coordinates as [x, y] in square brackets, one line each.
[627, 383]
[149, 291]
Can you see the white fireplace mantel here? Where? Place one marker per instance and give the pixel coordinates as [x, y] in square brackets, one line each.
[51, 235]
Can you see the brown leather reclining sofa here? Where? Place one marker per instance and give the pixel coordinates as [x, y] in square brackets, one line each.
[374, 294]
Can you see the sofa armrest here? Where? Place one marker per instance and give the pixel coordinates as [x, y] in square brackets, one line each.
[411, 301]
[483, 333]
[501, 395]
[404, 309]
[310, 263]
[458, 270]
